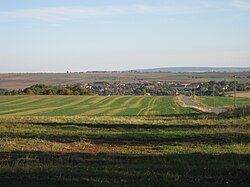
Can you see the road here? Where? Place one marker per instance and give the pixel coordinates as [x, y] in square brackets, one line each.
[190, 103]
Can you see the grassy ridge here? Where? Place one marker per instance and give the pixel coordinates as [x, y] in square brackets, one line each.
[113, 151]
[90, 105]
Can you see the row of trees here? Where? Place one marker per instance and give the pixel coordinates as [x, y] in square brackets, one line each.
[209, 88]
[42, 89]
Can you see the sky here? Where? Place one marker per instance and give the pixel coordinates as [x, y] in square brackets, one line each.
[84, 35]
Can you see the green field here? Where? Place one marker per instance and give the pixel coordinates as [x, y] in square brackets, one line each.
[91, 106]
[119, 141]
[146, 151]
[224, 101]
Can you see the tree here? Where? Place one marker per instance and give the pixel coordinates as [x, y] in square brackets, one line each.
[64, 91]
[28, 91]
[49, 92]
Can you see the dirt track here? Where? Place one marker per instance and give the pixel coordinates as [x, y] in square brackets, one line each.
[190, 103]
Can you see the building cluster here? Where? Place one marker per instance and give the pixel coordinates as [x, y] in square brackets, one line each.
[160, 88]
[133, 88]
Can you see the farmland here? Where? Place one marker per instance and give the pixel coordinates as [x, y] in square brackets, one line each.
[24, 80]
[121, 151]
[240, 94]
[91, 106]
[118, 140]
[224, 101]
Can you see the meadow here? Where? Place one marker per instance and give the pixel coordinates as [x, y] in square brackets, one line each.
[91, 106]
[145, 151]
[119, 141]
[224, 101]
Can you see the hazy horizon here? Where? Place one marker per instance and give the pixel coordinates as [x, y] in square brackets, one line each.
[80, 35]
[124, 70]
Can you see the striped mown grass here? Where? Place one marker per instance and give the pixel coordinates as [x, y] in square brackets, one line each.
[91, 106]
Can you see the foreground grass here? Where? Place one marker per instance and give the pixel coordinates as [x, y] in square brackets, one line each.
[120, 151]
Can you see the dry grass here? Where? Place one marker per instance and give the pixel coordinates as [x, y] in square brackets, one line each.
[241, 94]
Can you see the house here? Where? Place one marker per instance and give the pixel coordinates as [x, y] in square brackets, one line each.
[179, 86]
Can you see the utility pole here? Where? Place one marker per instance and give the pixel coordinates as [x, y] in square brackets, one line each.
[235, 103]
[201, 91]
[213, 96]
[193, 81]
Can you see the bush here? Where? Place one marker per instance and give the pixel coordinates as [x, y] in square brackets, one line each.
[236, 112]
[64, 91]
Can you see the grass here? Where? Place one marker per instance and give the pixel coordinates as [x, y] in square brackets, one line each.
[119, 141]
[90, 106]
[111, 151]
[245, 94]
[223, 101]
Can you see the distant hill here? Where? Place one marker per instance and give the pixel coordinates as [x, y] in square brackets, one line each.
[196, 69]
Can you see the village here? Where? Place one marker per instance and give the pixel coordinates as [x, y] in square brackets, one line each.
[163, 88]
[146, 88]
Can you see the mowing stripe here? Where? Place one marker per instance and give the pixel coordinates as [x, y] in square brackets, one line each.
[73, 108]
[93, 112]
[150, 105]
[35, 101]
[138, 103]
[7, 99]
[106, 107]
[101, 100]
[101, 106]
[33, 111]
[17, 100]
[13, 111]
[118, 105]
[143, 104]
[129, 100]
[65, 107]
[54, 109]
[93, 107]
[110, 102]
[115, 111]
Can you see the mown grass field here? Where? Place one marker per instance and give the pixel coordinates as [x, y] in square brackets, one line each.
[224, 101]
[118, 141]
[144, 151]
[91, 106]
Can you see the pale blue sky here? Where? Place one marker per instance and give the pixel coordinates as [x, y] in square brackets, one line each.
[80, 35]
